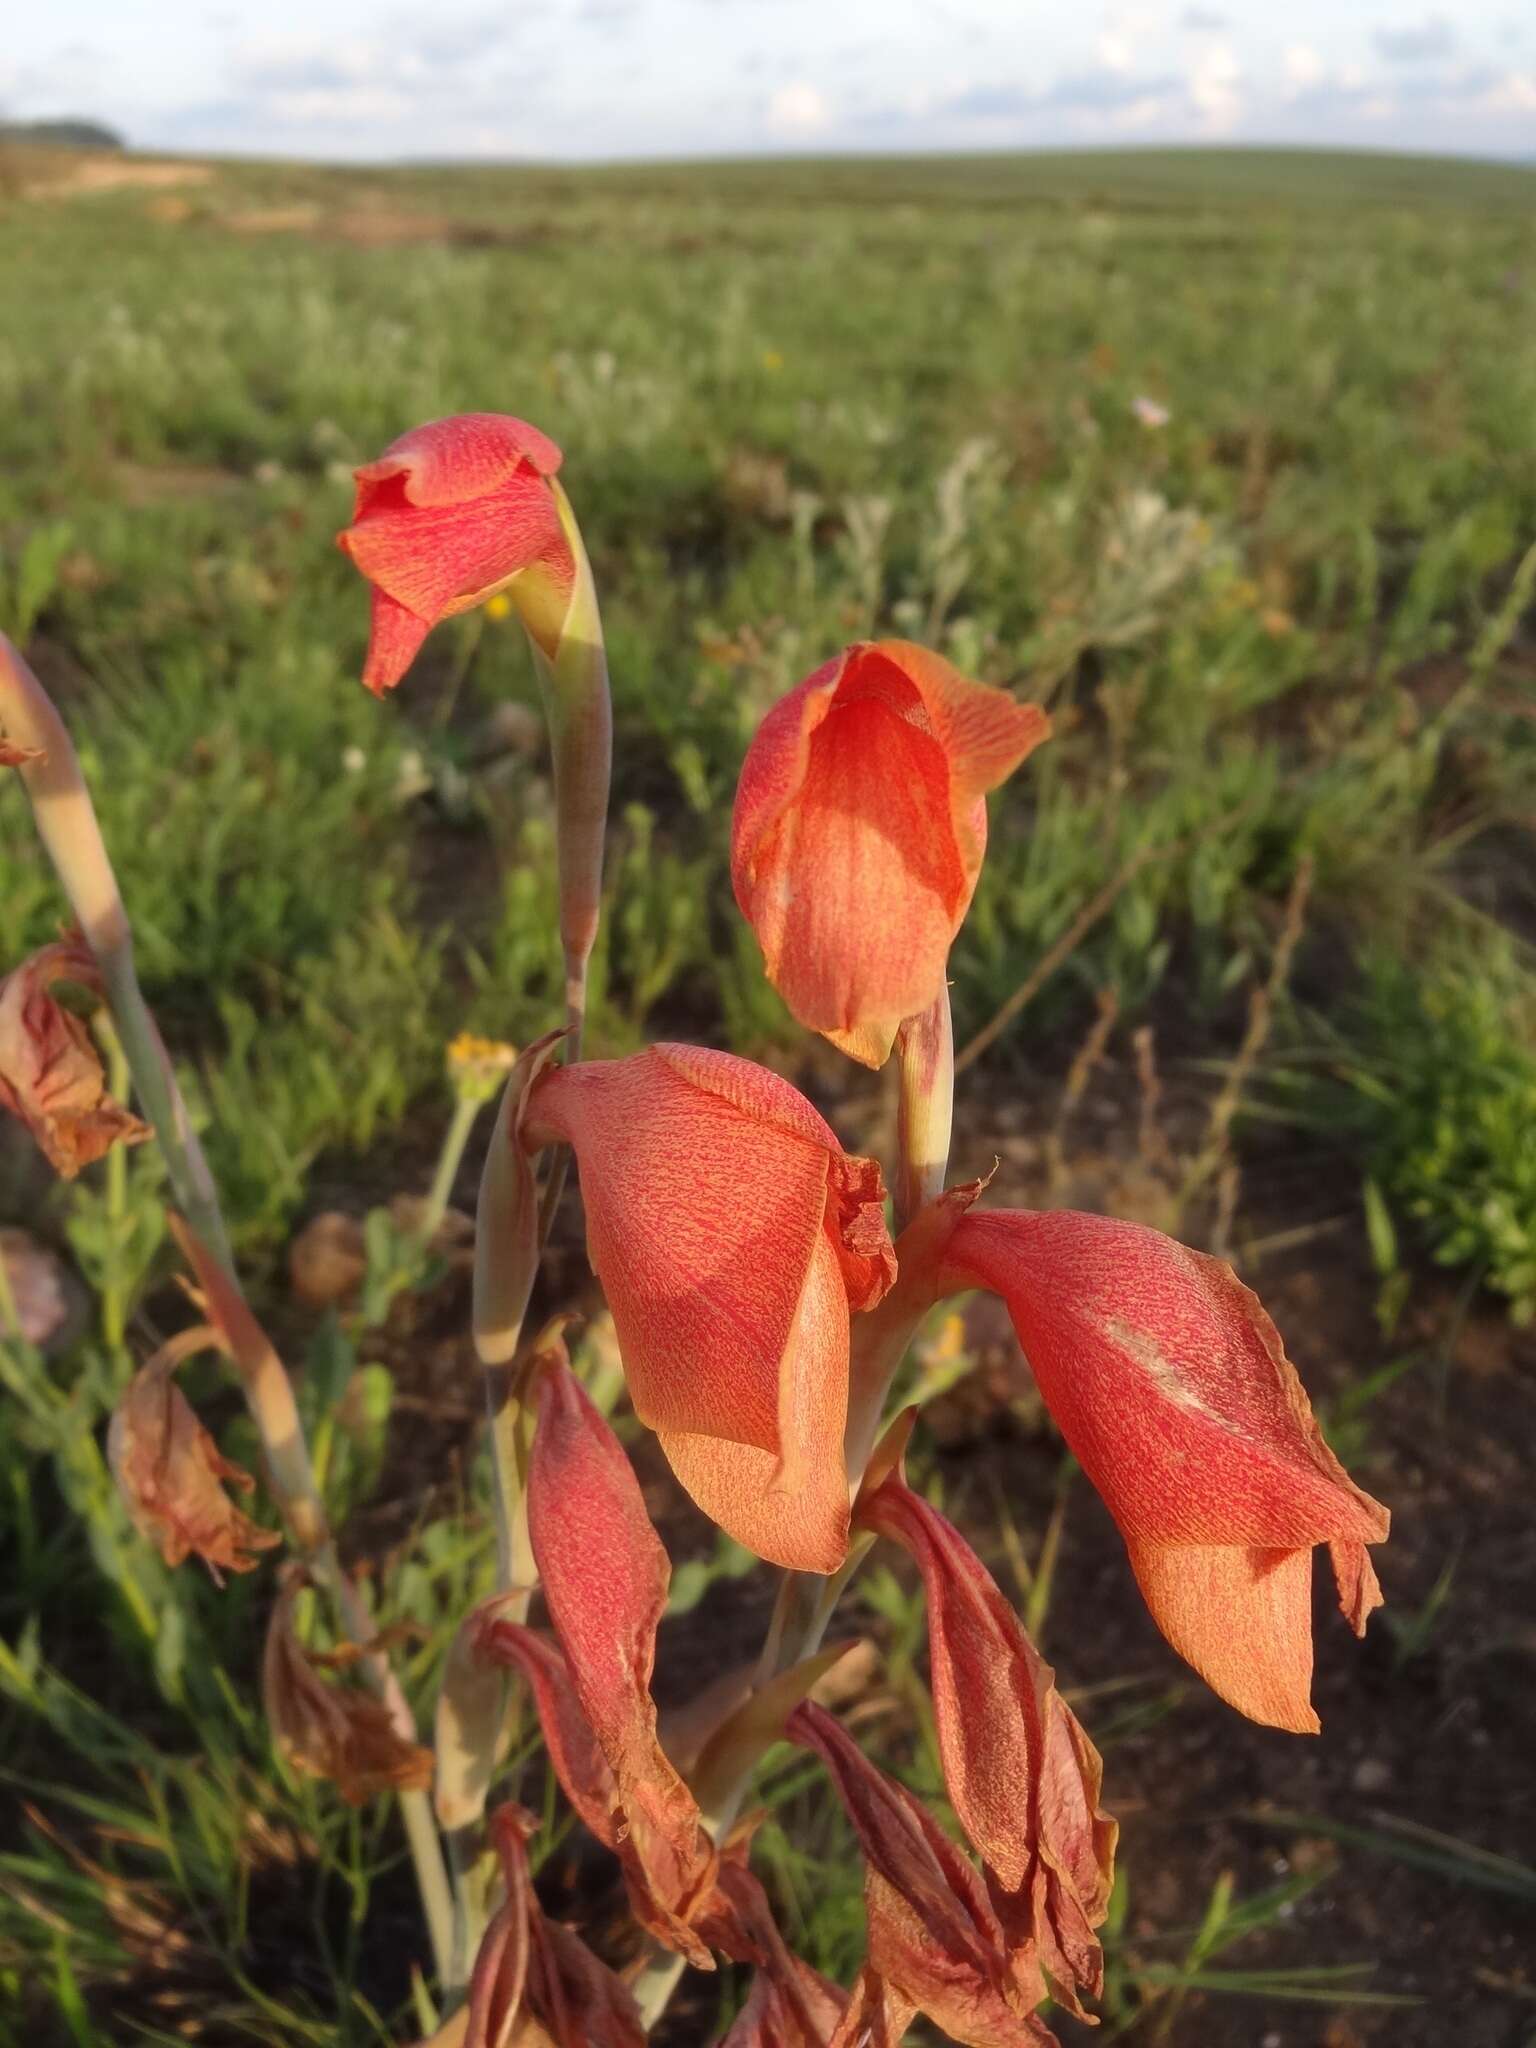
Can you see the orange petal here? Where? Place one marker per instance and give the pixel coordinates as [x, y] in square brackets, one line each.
[578, 1762]
[535, 1981]
[1168, 1380]
[395, 635]
[790, 1509]
[650, 1868]
[790, 2004]
[1173, 1389]
[1243, 1618]
[859, 831]
[732, 1236]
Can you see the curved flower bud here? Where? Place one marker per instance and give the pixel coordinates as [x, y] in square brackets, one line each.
[331, 1731]
[732, 1235]
[1022, 1776]
[859, 830]
[584, 1503]
[663, 1897]
[1173, 1390]
[51, 1075]
[934, 1942]
[171, 1473]
[14, 755]
[448, 515]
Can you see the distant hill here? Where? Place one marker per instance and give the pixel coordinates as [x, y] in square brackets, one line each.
[68, 133]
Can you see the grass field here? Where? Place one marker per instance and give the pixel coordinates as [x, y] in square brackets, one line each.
[1230, 459]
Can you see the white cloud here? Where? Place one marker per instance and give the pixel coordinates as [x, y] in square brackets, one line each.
[1421, 42]
[1303, 66]
[798, 109]
[1215, 88]
[377, 78]
[1515, 93]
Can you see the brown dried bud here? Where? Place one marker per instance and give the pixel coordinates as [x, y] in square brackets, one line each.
[50, 1072]
[332, 1731]
[171, 1473]
[327, 1261]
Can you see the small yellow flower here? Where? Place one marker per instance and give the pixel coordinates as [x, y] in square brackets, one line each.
[477, 1066]
[772, 360]
[498, 607]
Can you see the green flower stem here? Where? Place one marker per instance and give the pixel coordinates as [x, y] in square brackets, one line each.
[10, 1315]
[466, 1110]
[925, 1054]
[114, 1303]
[67, 824]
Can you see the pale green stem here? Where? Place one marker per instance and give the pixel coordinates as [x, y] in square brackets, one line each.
[653, 1988]
[925, 1053]
[114, 1302]
[10, 1315]
[466, 1110]
[67, 824]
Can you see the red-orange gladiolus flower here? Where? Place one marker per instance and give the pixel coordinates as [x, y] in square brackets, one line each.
[51, 1075]
[1172, 1387]
[448, 515]
[732, 1235]
[860, 826]
[1022, 1776]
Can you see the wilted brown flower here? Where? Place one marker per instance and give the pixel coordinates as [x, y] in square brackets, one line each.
[50, 1072]
[328, 1260]
[536, 1982]
[171, 1473]
[332, 1731]
[35, 1283]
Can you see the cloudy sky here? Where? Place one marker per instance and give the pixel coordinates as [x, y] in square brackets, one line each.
[617, 78]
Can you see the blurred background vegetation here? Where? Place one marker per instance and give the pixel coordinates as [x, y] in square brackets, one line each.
[1230, 460]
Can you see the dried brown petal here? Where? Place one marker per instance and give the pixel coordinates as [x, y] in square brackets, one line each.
[172, 1474]
[50, 1071]
[332, 1731]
